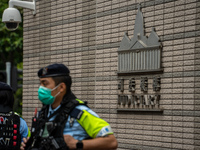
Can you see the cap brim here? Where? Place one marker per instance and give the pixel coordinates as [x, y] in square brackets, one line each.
[54, 75]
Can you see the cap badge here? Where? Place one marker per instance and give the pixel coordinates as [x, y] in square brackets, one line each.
[44, 71]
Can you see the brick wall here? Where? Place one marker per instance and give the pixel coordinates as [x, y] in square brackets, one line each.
[85, 35]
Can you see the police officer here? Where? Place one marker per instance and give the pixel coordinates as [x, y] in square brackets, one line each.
[83, 129]
[12, 127]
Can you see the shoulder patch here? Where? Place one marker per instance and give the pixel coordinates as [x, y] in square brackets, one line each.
[105, 131]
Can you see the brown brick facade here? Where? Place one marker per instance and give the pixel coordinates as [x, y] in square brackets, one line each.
[85, 35]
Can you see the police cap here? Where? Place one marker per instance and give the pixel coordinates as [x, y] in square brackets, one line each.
[53, 70]
[4, 86]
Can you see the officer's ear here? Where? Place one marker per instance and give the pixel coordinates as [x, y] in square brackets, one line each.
[63, 87]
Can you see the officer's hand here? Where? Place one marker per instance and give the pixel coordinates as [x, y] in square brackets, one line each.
[70, 141]
[23, 144]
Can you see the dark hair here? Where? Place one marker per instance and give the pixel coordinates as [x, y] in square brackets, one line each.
[66, 79]
[6, 98]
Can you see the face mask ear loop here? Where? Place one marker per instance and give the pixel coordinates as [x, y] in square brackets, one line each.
[55, 87]
[57, 94]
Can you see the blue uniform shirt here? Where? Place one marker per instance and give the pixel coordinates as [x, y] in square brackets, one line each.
[23, 129]
[76, 130]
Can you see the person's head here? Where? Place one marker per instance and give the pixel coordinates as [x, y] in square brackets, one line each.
[54, 80]
[6, 95]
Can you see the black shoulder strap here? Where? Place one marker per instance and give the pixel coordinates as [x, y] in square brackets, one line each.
[76, 113]
[43, 112]
[65, 110]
